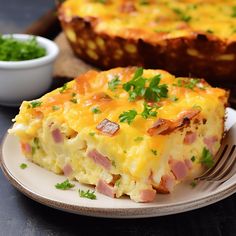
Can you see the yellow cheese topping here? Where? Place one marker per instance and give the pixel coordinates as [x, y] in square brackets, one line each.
[153, 20]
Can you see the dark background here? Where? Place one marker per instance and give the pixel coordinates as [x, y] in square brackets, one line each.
[22, 216]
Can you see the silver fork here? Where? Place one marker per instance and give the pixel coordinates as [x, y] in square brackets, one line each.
[225, 160]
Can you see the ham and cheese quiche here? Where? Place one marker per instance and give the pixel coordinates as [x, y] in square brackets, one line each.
[196, 37]
[127, 131]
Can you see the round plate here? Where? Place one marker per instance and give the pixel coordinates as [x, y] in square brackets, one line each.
[38, 184]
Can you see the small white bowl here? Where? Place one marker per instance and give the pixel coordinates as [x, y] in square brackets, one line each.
[29, 79]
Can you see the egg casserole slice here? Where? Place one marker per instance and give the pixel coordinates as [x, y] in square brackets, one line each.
[127, 131]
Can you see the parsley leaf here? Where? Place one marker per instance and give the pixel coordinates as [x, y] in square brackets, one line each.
[23, 166]
[138, 139]
[193, 158]
[92, 134]
[112, 85]
[55, 108]
[183, 16]
[35, 103]
[128, 116]
[64, 185]
[207, 158]
[96, 110]
[63, 88]
[193, 184]
[74, 100]
[154, 151]
[233, 11]
[149, 111]
[188, 83]
[87, 194]
[136, 87]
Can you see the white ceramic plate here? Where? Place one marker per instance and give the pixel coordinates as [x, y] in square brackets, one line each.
[38, 184]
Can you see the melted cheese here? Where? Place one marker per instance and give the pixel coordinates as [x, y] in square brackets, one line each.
[157, 19]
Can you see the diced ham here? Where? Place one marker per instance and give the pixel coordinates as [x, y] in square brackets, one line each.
[101, 97]
[178, 168]
[127, 7]
[166, 184]
[100, 159]
[147, 195]
[67, 169]
[188, 163]
[210, 142]
[159, 127]
[108, 127]
[26, 148]
[164, 126]
[57, 136]
[105, 188]
[190, 137]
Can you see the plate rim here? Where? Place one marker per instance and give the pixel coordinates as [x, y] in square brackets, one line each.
[136, 212]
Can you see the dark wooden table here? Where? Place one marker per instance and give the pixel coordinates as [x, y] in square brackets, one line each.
[22, 216]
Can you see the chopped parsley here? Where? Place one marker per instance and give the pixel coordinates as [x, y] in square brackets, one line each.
[36, 142]
[65, 185]
[74, 100]
[33, 150]
[87, 194]
[206, 158]
[23, 166]
[92, 134]
[233, 14]
[136, 87]
[117, 183]
[96, 110]
[138, 139]
[16, 50]
[112, 85]
[183, 16]
[55, 108]
[187, 83]
[154, 152]
[193, 184]
[63, 88]
[149, 111]
[144, 2]
[193, 158]
[35, 103]
[113, 163]
[209, 31]
[128, 116]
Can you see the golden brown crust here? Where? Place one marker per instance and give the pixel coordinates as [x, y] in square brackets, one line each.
[198, 55]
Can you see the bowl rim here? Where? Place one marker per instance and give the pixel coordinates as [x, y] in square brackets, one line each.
[51, 48]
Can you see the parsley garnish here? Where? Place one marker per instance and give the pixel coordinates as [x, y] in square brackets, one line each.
[174, 99]
[193, 184]
[136, 87]
[149, 111]
[55, 108]
[92, 134]
[207, 158]
[96, 110]
[117, 183]
[144, 2]
[87, 194]
[112, 85]
[74, 100]
[209, 31]
[193, 158]
[233, 11]
[64, 185]
[182, 15]
[154, 151]
[187, 83]
[113, 163]
[138, 139]
[23, 166]
[16, 50]
[63, 88]
[128, 116]
[36, 142]
[35, 103]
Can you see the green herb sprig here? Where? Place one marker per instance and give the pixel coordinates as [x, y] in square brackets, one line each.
[113, 84]
[65, 185]
[206, 158]
[15, 50]
[87, 194]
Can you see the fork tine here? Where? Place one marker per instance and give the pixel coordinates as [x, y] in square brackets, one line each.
[227, 168]
[219, 157]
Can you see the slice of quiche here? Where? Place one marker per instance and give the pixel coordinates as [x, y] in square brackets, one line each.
[127, 131]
